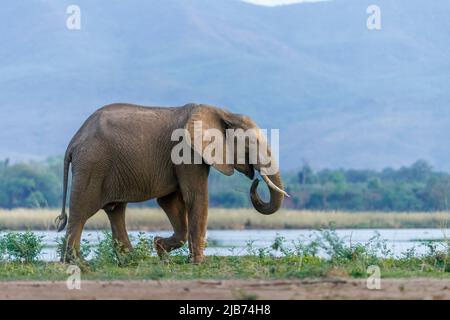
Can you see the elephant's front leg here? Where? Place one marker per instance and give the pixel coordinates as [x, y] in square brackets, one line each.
[198, 219]
[193, 181]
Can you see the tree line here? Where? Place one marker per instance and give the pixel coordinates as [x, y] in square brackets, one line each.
[411, 188]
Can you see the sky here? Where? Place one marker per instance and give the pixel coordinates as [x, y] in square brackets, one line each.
[271, 3]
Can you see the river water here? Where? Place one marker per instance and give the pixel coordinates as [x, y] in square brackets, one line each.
[235, 242]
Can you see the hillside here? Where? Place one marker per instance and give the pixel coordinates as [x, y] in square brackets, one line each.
[342, 95]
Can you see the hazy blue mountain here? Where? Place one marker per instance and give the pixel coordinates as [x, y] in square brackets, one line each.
[342, 95]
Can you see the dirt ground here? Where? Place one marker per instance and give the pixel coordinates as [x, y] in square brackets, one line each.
[419, 288]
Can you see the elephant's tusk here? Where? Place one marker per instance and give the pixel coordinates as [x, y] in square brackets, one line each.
[274, 187]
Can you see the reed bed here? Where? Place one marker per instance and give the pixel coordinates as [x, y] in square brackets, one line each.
[155, 219]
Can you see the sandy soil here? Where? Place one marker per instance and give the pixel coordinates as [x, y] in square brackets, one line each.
[418, 288]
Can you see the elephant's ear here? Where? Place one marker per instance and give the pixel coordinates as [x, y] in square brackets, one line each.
[202, 119]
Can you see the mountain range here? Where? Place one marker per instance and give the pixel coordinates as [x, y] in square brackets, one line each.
[342, 95]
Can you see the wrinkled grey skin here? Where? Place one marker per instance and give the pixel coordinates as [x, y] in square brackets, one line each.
[122, 153]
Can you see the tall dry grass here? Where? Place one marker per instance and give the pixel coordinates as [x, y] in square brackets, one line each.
[155, 219]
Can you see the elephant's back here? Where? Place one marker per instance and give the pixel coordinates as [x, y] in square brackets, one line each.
[122, 112]
[127, 145]
[131, 120]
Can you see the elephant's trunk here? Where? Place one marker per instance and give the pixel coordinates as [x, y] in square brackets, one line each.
[276, 194]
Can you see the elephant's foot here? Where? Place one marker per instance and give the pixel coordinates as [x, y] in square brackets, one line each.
[197, 259]
[159, 246]
[164, 245]
[197, 250]
[123, 254]
[72, 256]
[122, 248]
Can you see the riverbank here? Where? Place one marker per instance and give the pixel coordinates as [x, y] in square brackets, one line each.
[178, 268]
[331, 288]
[288, 272]
[147, 219]
[21, 253]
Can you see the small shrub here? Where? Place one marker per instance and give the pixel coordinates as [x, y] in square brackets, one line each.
[181, 255]
[2, 250]
[279, 245]
[378, 245]
[85, 247]
[23, 247]
[409, 253]
[437, 255]
[306, 247]
[263, 253]
[250, 248]
[110, 252]
[340, 252]
[142, 250]
[105, 252]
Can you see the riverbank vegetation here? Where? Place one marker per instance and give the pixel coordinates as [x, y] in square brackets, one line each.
[323, 255]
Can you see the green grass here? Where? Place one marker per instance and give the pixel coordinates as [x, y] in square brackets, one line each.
[278, 261]
[155, 219]
[246, 267]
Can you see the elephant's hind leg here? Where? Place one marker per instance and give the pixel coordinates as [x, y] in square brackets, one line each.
[84, 203]
[71, 252]
[78, 217]
[175, 209]
[116, 215]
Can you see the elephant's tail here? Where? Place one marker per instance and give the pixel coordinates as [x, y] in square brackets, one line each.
[61, 220]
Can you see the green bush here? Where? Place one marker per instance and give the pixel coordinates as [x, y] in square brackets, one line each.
[110, 252]
[142, 250]
[2, 250]
[105, 252]
[85, 247]
[23, 247]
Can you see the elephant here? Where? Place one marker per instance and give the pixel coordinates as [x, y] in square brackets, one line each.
[122, 154]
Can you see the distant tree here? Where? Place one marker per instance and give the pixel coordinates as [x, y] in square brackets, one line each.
[358, 176]
[421, 171]
[437, 193]
[306, 175]
[410, 188]
[29, 185]
[228, 200]
[374, 183]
